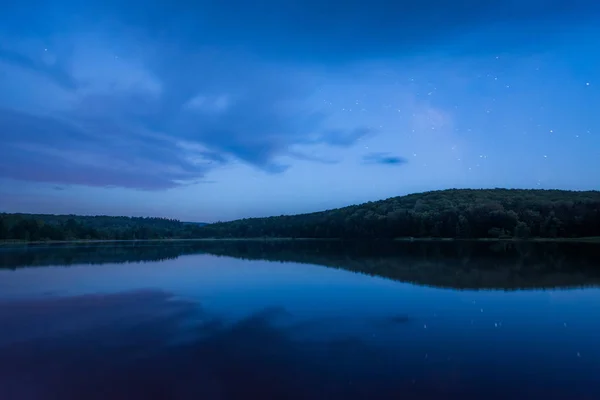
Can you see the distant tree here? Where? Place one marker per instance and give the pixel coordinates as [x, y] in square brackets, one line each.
[551, 226]
[20, 231]
[522, 231]
[496, 232]
[463, 230]
[3, 229]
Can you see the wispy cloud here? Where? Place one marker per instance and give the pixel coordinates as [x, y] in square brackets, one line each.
[310, 31]
[153, 124]
[165, 93]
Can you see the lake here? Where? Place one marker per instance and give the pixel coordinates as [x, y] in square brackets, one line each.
[300, 320]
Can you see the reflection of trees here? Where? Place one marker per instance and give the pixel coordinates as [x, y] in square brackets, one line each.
[73, 254]
[464, 265]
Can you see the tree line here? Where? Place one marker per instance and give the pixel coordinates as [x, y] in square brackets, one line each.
[495, 213]
[42, 227]
[464, 213]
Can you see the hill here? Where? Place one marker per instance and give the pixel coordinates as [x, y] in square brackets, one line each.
[465, 213]
[456, 213]
[36, 227]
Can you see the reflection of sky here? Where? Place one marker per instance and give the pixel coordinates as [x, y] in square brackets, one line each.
[237, 288]
[534, 338]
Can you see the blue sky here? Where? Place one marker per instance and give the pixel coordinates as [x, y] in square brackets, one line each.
[225, 109]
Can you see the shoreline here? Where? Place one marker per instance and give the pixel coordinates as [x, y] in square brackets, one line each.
[401, 239]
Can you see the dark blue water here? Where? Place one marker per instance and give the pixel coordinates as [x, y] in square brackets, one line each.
[300, 321]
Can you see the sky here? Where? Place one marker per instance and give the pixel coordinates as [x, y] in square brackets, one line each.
[216, 110]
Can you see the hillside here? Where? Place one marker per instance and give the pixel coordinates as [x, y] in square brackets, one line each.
[464, 213]
[35, 227]
[495, 213]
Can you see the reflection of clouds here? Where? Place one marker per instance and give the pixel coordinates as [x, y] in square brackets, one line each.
[392, 321]
[56, 317]
[150, 344]
[124, 343]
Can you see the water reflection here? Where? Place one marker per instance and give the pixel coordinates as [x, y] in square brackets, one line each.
[459, 265]
[228, 320]
[147, 345]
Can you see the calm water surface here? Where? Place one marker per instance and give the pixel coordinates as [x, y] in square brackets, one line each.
[300, 320]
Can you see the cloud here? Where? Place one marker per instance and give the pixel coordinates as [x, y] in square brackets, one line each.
[40, 65]
[162, 94]
[313, 30]
[45, 149]
[343, 138]
[383, 159]
[154, 123]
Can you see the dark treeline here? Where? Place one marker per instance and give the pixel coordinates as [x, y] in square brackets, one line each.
[40, 227]
[495, 213]
[458, 265]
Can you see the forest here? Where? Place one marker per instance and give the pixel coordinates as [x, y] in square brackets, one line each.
[495, 213]
[455, 213]
[43, 227]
